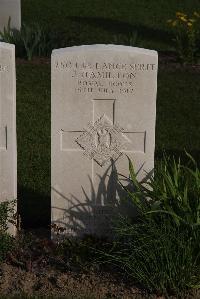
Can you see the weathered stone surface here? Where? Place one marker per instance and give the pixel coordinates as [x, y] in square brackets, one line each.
[8, 151]
[12, 9]
[103, 108]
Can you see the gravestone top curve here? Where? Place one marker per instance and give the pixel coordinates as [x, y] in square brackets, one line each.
[107, 47]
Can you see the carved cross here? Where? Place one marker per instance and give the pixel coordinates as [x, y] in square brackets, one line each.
[103, 139]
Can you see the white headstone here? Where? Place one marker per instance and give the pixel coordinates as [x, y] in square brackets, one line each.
[12, 9]
[8, 151]
[103, 108]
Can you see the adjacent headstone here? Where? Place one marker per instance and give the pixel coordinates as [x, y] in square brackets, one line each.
[12, 9]
[8, 151]
[103, 110]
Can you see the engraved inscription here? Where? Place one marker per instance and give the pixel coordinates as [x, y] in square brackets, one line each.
[105, 66]
[105, 77]
[102, 141]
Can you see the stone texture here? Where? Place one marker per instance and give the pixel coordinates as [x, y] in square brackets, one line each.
[102, 141]
[103, 109]
[8, 152]
[12, 9]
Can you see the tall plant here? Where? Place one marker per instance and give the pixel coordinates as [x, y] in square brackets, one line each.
[160, 247]
[174, 190]
[186, 35]
[31, 40]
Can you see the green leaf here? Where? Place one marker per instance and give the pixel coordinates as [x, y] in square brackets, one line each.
[133, 174]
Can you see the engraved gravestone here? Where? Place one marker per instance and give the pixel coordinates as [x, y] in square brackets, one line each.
[12, 9]
[8, 152]
[103, 110]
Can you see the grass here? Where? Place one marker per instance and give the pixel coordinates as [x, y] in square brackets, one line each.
[99, 21]
[159, 247]
[177, 121]
[157, 256]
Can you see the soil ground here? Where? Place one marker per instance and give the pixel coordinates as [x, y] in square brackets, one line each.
[56, 283]
[15, 281]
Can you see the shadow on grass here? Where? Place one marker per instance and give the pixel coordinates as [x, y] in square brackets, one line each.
[35, 210]
[120, 27]
[178, 153]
